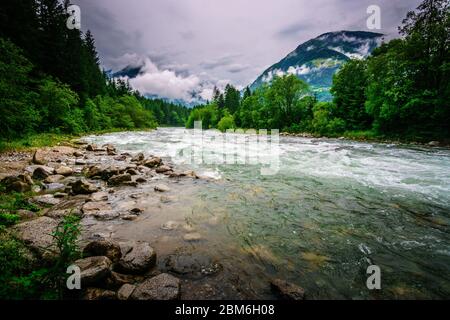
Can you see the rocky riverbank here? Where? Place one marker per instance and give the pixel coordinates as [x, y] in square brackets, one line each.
[103, 187]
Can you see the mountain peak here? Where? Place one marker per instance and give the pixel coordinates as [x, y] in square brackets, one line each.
[317, 60]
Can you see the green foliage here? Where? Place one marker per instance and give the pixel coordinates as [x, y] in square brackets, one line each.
[227, 122]
[21, 275]
[10, 203]
[349, 91]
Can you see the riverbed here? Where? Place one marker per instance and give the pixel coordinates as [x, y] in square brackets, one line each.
[331, 209]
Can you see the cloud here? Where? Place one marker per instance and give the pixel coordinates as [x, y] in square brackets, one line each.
[222, 39]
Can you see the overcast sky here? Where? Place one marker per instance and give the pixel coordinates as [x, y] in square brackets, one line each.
[191, 44]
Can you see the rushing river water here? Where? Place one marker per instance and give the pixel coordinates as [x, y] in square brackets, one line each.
[333, 208]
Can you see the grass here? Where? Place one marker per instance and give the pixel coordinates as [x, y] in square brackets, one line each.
[34, 141]
[40, 140]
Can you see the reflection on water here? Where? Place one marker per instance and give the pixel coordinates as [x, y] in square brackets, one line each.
[334, 208]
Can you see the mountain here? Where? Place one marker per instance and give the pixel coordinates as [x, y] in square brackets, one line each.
[318, 59]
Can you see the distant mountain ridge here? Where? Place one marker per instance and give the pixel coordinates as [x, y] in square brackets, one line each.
[317, 60]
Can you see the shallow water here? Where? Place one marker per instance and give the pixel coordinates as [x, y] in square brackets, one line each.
[333, 208]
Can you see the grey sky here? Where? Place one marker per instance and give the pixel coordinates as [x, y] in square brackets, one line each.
[193, 44]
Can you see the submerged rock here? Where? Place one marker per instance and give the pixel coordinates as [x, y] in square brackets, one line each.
[194, 236]
[286, 290]
[161, 287]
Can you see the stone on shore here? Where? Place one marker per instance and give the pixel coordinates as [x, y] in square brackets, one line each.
[153, 162]
[39, 157]
[105, 248]
[125, 291]
[137, 258]
[64, 170]
[54, 178]
[161, 188]
[138, 158]
[119, 179]
[93, 269]
[163, 169]
[99, 196]
[161, 287]
[99, 294]
[286, 290]
[37, 235]
[46, 200]
[83, 186]
[42, 172]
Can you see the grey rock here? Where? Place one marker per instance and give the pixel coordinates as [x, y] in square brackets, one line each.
[37, 234]
[107, 248]
[93, 269]
[83, 186]
[125, 291]
[161, 287]
[137, 260]
[99, 294]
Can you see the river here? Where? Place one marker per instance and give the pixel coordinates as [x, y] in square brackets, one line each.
[332, 208]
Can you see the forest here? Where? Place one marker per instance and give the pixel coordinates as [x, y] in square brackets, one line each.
[401, 91]
[51, 79]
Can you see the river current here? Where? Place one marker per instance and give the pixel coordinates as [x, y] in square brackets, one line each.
[332, 208]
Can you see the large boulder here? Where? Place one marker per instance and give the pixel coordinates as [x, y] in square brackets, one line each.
[161, 287]
[82, 186]
[137, 258]
[93, 269]
[37, 235]
[105, 248]
[286, 290]
[39, 157]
